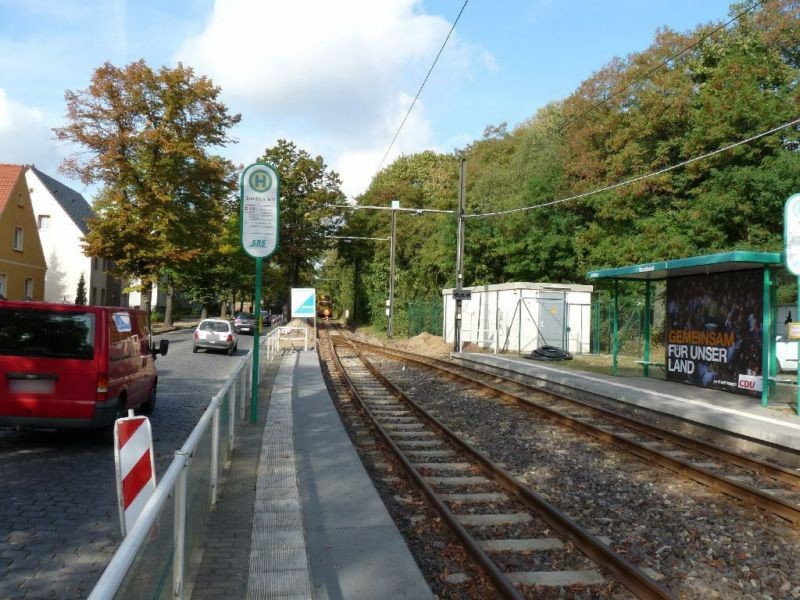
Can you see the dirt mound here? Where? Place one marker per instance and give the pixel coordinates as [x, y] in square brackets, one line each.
[428, 344]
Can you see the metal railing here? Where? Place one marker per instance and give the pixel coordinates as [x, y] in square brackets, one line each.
[160, 556]
[481, 336]
[284, 330]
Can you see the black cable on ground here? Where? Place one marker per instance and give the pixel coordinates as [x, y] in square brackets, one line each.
[549, 353]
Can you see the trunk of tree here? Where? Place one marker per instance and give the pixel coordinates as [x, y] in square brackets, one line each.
[168, 307]
[147, 300]
[223, 310]
[204, 312]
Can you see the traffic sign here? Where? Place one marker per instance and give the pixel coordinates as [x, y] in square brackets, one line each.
[135, 468]
[304, 302]
[259, 210]
[462, 294]
[791, 233]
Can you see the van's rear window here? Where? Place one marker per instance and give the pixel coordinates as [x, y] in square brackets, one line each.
[51, 334]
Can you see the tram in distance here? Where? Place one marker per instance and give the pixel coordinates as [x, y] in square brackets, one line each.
[324, 307]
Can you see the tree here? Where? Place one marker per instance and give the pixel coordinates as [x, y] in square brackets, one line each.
[308, 191]
[80, 293]
[147, 134]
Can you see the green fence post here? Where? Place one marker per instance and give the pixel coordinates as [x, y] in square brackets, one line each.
[645, 366]
[615, 324]
[767, 340]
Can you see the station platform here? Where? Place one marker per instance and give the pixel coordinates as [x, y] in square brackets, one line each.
[736, 413]
[316, 528]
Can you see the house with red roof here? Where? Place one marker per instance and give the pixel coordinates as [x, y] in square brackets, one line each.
[22, 263]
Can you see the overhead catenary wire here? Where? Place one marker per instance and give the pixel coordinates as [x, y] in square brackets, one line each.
[640, 177]
[411, 210]
[410, 108]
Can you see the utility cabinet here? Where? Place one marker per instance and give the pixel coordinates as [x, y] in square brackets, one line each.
[520, 317]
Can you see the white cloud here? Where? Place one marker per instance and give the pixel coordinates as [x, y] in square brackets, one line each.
[358, 166]
[336, 64]
[24, 138]
[341, 74]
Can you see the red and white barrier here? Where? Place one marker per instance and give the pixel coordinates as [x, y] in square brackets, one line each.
[136, 473]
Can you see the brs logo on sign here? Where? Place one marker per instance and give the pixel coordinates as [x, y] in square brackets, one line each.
[258, 244]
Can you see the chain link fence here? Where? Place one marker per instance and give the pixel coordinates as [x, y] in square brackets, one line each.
[425, 315]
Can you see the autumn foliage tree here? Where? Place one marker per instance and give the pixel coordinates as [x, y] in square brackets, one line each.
[146, 137]
[308, 191]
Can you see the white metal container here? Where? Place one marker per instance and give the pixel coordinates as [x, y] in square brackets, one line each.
[522, 316]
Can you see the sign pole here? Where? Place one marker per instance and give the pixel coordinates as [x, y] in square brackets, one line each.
[259, 221]
[257, 300]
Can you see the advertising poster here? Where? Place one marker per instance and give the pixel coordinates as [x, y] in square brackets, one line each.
[713, 331]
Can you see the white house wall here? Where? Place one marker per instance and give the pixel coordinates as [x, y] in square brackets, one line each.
[61, 244]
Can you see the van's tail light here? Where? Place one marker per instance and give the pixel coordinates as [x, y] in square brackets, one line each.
[230, 337]
[102, 387]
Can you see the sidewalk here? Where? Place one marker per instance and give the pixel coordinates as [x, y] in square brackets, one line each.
[298, 516]
[225, 565]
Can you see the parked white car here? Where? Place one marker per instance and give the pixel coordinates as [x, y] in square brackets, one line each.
[786, 353]
[215, 334]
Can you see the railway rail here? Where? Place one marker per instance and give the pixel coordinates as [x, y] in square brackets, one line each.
[505, 525]
[767, 486]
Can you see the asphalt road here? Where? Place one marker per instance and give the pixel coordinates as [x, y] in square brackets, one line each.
[59, 524]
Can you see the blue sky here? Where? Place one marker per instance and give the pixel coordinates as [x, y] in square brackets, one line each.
[335, 77]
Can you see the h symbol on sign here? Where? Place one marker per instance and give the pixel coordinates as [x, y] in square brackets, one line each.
[259, 180]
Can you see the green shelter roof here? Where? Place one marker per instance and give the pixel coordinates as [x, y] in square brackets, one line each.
[696, 265]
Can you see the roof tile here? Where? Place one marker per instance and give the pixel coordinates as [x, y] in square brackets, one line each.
[9, 175]
[73, 203]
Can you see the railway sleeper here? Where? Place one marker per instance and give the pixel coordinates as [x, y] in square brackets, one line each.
[476, 498]
[521, 545]
[485, 520]
[557, 578]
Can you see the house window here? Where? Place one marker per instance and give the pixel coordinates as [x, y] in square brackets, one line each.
[44, 222]
[94, 296]
[20, 200]
[103, 296]
[94, 263]
[18, 238]
[3, 292]
[28, 289]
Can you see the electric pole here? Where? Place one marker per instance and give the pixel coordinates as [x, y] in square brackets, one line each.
[390, 328]
[458, 294]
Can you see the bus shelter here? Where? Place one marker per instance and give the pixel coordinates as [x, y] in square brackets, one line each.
[719, 326]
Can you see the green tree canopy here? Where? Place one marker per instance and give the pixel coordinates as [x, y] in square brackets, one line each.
[147, 136]
[308, 191]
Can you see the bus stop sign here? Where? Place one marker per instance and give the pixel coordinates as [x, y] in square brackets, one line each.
[791, 233]
[260, 210]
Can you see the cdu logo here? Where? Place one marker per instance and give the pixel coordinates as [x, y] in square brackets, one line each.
[260, 181]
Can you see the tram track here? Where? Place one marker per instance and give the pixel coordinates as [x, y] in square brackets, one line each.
[499, 520]
[772, 488]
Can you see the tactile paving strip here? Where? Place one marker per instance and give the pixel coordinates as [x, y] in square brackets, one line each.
[278, 560]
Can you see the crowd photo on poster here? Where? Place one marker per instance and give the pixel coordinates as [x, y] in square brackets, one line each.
[714, 330]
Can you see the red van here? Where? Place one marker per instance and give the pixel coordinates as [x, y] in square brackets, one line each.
[74, 366]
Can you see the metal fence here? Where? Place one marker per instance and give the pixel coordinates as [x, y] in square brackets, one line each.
[160, 556]
[425, 315]
[630, 324]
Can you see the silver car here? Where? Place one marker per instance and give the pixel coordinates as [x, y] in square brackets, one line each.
[215, 334]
